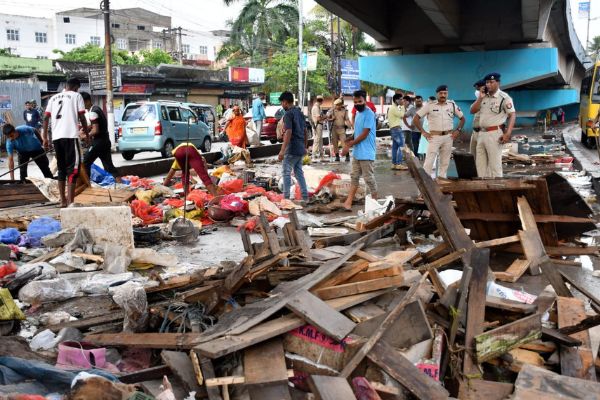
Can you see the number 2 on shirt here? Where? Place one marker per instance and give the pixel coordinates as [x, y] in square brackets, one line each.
[58, 114]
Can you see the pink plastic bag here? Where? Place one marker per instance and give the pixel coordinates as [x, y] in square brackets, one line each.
[235, 204]
[80, 355]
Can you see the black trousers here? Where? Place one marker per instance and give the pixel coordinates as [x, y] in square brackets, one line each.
[100, 149]
[42, 162]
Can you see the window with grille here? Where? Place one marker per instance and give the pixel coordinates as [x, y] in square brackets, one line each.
[95, 40]
[185, 48]
[203, 50]
[69, 38]
[12, 34]
[41, 37]
[122, 44]
[157, 45]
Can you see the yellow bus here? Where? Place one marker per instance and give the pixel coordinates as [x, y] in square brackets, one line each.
[589, 104]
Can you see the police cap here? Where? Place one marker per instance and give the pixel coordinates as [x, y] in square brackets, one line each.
[492, 76]
[441, 87]
[479, 83]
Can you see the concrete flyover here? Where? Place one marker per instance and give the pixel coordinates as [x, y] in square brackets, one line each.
[424, 43]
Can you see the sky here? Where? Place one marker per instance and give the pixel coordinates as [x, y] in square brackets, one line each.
[206, 15]
[581, 23]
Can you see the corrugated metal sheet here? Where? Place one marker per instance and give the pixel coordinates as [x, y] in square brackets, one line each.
[19, 93]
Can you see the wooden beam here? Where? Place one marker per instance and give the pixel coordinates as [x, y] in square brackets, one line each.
[496, 342]
[318, 313]
[147, 374]
[443, 261]
[498, 242]
[264, 364]
[387, 322]
[538, 218]
[349, 289]
[344, 273]
[170, 341]
[559, 338]
[85, 323]
[583, 325]
[270, 329]
[477, 389]
[559, 251]
[233, 380]
[182, 367]
[510, 305]
[406, 373]
[479, 261]
[496, 185]
[514, 271]
[537, 383]
[330, 388]
[575, 362]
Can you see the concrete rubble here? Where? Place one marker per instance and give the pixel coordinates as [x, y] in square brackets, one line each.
[471, 289]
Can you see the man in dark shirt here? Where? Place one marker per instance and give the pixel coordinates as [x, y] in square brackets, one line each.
[294, 145]
[31, 116]
[100, 141]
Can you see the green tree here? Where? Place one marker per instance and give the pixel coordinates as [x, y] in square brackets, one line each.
[91, 53]
[155, 57]
[260, 28]
[594, 47]
[282, 73]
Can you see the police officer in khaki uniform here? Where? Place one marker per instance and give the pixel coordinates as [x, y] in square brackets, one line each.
[317, 121]
[493, 106]
[338, 116]
[476, 127]
[440, 115]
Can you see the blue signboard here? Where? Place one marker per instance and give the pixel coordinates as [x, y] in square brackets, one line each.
[349, 79]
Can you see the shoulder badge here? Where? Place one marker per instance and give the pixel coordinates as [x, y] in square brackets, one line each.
[509, 105]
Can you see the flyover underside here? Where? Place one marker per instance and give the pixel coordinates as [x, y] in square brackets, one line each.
[422, 73]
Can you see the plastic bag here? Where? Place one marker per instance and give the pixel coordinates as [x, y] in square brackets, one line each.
[116, 260]
[274, 197]
[45, 340]
[235, 204]
[232, 186]
[9, 236]
[100, 176]
[176, 203]
[7, 269]
[40, 227]
[99, 283]
[199, 197]
[146, 255]
[37, 292]
[253, 190]
[327, 180]
[148, 214]
[131, 296]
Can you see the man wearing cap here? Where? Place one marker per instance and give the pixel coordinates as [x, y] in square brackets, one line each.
[440, 115]
[317, 121]
[473, 145]
[493, 108]
[339, 119]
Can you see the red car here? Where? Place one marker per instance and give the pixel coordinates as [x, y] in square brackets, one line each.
[269, 127]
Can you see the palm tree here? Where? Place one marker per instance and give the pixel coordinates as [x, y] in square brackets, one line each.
[262, 26]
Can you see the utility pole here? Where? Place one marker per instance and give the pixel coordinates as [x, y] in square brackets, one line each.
[338, 67]
[587, 35]
[110, 113]
[300, 89]
[333, 80]
[180, 46]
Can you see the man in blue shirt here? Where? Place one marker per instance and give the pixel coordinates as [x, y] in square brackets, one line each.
[258, 112]
[31, 116]
[363, 143]
[294, 145]
[26, 142]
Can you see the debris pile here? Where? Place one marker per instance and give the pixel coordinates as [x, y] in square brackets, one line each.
[426, 299]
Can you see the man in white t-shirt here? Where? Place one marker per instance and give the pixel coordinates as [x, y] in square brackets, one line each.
[64, 112]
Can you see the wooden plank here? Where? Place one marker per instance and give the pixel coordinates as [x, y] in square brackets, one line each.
[551, 273]
[498, 242]
[559, 251]
[233, 380]
[582, 325]
[344, 274]
[349, 289]
[540, 203]
[575, 362]
[84, 323]
[410, 328]
[498, 341]
[147, 374]
[510, 305]
[538, 218]
[330, 388]
[477, 389]
[381, 271]
[583, 281]
[443, 261]
[486, 185]
[401, 369]
[170, 341]
[514, 271]
[534, 383]
[441, 209]
[267, 330]
[182, 368]
[378, 221]
[264, 364]
[387, 322]
[208, 372]
[367, 256]
[533, 249]
[278, 391]
[559, 338]
[315, 311]
[479, 262]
